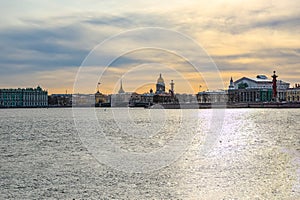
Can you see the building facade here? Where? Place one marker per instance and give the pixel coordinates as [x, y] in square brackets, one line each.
[218, 96]
[101, 99]
[60, 100]
[259, 89]
[121, 99]
[83, 100]
[148, 97]
[160, 96]
[23, 97]
[293, 94]
[250, 95]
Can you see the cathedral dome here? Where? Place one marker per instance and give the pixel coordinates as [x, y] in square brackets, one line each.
[160, 85]
[160, 79]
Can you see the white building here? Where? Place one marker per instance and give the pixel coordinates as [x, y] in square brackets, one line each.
[216, 96]
[260, 83]
[293, 94]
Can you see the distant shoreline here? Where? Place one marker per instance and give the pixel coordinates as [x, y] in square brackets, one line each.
[229, 105]
[278, 105]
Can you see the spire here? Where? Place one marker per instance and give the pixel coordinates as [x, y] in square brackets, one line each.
[121, 88]
[231, 85]
[98, 87]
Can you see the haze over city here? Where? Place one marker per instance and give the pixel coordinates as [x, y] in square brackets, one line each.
[45, 43]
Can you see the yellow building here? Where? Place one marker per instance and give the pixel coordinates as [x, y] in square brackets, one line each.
[100, 98]
[293, 94]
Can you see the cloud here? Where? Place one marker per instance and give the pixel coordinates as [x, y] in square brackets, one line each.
[38, 49]
[240, 36]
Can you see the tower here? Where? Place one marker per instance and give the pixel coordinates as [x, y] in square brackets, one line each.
[121, 91]
[231, 85]
[98, 87]
[274, 81]
[172, 85]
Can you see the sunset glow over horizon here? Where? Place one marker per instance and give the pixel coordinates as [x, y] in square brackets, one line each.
[46, 43]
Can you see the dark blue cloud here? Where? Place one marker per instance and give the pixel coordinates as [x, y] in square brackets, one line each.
[132, 20]
[37, 49]
[110, 20]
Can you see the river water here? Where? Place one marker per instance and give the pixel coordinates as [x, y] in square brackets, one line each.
[149, 154]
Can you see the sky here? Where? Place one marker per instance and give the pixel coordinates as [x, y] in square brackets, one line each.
[62, 45]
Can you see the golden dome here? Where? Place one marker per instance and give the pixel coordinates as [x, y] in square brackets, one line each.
[160, 79]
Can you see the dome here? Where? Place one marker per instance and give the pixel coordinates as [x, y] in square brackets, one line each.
[160, 79]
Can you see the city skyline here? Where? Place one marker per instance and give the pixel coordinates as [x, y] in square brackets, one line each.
[46, 43]
[145, 88]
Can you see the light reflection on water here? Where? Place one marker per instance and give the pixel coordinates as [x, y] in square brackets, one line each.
[255, 155]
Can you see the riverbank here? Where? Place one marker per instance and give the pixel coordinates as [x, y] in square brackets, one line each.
[191, 106]
[225, 105]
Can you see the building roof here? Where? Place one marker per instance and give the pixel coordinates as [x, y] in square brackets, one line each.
[257, 80]
[23, 89]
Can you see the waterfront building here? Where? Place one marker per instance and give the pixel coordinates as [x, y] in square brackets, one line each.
[159, 97]
[101, 99]
[79, 100]
[60, 100]
[216, 96]
[23, 97]
[186, 98]
[135, 99]
[250, 95]
[148, 97]
[293, 94]
[83, 100]
[121, 99]
[259, 89]
[163, 97]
